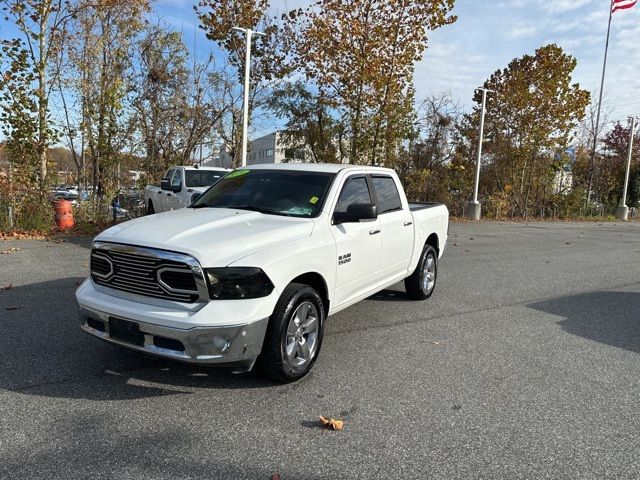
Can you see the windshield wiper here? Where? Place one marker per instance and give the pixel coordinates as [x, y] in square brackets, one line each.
[260, 210]
[199, 206]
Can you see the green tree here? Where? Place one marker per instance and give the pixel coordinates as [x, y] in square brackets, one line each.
[104, 35]
[531, 113]
[310, 123]
[28, 77]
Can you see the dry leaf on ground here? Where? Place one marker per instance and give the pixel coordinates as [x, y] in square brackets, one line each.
[6, 286]
[23, 235]
[332, 423]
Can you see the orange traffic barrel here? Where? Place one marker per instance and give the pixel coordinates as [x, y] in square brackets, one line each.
[64, 214]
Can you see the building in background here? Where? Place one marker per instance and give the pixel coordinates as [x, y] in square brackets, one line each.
[271, 148]
[563, 181]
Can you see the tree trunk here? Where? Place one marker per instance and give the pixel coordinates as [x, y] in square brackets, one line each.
[42, 101]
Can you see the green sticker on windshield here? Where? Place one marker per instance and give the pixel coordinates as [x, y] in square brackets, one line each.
[314, 200]
[237, 173]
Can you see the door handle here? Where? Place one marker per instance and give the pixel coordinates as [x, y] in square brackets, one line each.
[374, 232]
[406, 224]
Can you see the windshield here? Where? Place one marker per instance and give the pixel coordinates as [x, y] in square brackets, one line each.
[202, 178]
[276, 192]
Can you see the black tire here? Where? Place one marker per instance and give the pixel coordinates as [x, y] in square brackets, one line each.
[415, 285]
[150, 209]
[274, 361]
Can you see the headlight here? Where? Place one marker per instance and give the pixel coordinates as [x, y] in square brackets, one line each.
[233, 283]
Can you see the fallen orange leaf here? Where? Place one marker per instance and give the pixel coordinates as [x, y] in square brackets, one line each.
[332, 423]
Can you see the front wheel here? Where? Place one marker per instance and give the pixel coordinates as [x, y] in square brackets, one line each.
[422, 282]
[294, 335]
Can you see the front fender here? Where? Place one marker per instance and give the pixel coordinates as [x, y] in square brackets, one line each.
[283, 263]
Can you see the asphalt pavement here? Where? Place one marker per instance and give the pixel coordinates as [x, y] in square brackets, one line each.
[524, 364]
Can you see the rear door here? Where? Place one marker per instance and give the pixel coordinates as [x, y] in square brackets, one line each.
[358, 244]
[396, 223]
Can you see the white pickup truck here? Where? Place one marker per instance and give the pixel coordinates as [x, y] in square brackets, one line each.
[179, 187]
[249, 273]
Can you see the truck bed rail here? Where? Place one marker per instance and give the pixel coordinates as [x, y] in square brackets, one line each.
[415, 206]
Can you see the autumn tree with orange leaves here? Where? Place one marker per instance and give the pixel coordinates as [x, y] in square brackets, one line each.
[361, 54]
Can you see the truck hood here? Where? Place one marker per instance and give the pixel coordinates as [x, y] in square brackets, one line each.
[214, 236]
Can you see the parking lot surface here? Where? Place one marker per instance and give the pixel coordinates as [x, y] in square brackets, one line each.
[524, 364]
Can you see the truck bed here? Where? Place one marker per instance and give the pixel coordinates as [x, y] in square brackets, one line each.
[415, 206]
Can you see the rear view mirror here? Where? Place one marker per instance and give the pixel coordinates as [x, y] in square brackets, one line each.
[355, 213]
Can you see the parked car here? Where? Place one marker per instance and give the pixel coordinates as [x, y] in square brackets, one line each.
[62, 192]
[179, 187]
[250, 271]
[128, 204]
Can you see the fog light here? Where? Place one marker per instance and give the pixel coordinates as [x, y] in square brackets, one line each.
[222, 344]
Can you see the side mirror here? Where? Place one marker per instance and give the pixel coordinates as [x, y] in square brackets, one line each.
[195, 197]
[165, 185]
[356, 213]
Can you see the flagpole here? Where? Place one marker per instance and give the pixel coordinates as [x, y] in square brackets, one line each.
[597, 125]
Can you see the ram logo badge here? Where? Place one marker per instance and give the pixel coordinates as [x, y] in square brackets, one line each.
[342, 259]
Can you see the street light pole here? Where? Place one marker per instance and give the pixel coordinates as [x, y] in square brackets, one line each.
[622, 212]
[474, 207]
[247, 72]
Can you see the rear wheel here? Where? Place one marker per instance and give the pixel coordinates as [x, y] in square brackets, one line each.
[422, 282]
[294, 335]
[150, 209]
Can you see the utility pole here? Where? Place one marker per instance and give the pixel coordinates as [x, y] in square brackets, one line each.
[622, 213]
[247, 71]
[474, 208]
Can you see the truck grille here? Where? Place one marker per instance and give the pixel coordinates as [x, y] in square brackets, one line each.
[144, 272]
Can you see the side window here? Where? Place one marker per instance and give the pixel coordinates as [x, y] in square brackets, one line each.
[354, 191]
[176, 181]
[387, 193]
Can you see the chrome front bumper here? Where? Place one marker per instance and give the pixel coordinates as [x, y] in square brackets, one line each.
[234, 345]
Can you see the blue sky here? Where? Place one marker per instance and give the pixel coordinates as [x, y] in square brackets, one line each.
[489, 34]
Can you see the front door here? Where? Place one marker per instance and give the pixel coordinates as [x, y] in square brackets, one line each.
[359, 245]
[174, 200]
[161, 198]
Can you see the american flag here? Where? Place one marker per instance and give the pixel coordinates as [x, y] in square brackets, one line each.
[623, 4]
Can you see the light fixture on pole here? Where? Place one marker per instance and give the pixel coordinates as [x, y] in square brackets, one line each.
[247, 71]
[474, 207]
[622, 213]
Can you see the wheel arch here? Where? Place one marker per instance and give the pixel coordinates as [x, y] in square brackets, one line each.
[434, 241]
[318, 283]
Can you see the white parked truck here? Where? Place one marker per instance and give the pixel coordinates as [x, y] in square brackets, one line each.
[249, 273]
[179, 187]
